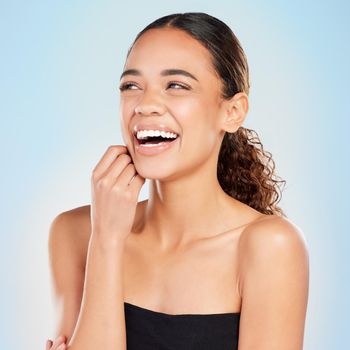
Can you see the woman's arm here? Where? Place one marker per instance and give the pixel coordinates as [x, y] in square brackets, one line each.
[67, 246]
[274, 281]
[101, 322]
[115, 188]
[102, 288]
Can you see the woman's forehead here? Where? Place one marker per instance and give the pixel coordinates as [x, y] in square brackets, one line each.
[164, 48]
[170, 38]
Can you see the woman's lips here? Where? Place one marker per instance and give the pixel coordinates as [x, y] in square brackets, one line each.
[137, 141]
[153, 150]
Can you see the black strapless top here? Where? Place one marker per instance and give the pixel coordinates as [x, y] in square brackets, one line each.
[151, 330]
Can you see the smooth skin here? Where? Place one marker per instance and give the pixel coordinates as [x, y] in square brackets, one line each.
[189, 232]
[115, 184]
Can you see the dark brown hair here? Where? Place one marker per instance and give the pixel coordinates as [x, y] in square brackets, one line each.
[245, 170]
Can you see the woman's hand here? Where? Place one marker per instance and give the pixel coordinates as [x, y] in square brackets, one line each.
[58, 344]
[115, 186]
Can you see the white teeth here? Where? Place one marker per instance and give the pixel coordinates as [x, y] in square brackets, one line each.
[142, 134]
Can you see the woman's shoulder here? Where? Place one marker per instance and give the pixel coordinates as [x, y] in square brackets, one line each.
[75, 221]
[269, 241]
[75, 214]
[272, 230]
[70, 230]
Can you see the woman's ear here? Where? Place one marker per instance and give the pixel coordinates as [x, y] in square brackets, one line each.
[235, 112]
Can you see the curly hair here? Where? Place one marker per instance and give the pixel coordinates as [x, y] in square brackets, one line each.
[245, 170]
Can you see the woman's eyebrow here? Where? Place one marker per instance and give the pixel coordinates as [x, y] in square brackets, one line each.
[165, 72]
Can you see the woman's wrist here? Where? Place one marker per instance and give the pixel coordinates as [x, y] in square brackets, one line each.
[107, 243]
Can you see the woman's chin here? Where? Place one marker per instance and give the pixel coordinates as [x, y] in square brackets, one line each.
[153, 172]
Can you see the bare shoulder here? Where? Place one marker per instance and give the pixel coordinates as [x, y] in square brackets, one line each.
[271, 234]
[72, 227]
[75, 218]
[273, 227]
[273, 283]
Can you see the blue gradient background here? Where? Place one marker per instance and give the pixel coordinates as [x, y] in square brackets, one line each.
[60, 65]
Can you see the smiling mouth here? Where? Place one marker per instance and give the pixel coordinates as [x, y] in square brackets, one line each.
[154, 140]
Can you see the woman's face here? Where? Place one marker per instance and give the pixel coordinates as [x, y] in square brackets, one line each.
[187, 105]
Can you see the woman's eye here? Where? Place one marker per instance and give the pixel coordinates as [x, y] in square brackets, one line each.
[126, 86]
[181, 86]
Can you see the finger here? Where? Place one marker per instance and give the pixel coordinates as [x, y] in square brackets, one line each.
[107, 159]
[116, 168]
[48, 344]
[62, 347]
[126, 176]
[136, 184]
[59, 340]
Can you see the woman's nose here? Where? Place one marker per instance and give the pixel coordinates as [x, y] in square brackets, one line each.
[150, 103]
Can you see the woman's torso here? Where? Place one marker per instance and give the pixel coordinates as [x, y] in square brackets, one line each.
[201, 279]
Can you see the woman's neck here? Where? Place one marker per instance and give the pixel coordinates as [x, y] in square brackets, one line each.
[178, 213]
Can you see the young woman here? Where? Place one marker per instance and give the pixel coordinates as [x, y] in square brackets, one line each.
[209, 261]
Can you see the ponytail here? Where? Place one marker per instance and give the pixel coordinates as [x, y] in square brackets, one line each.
[246, 172]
